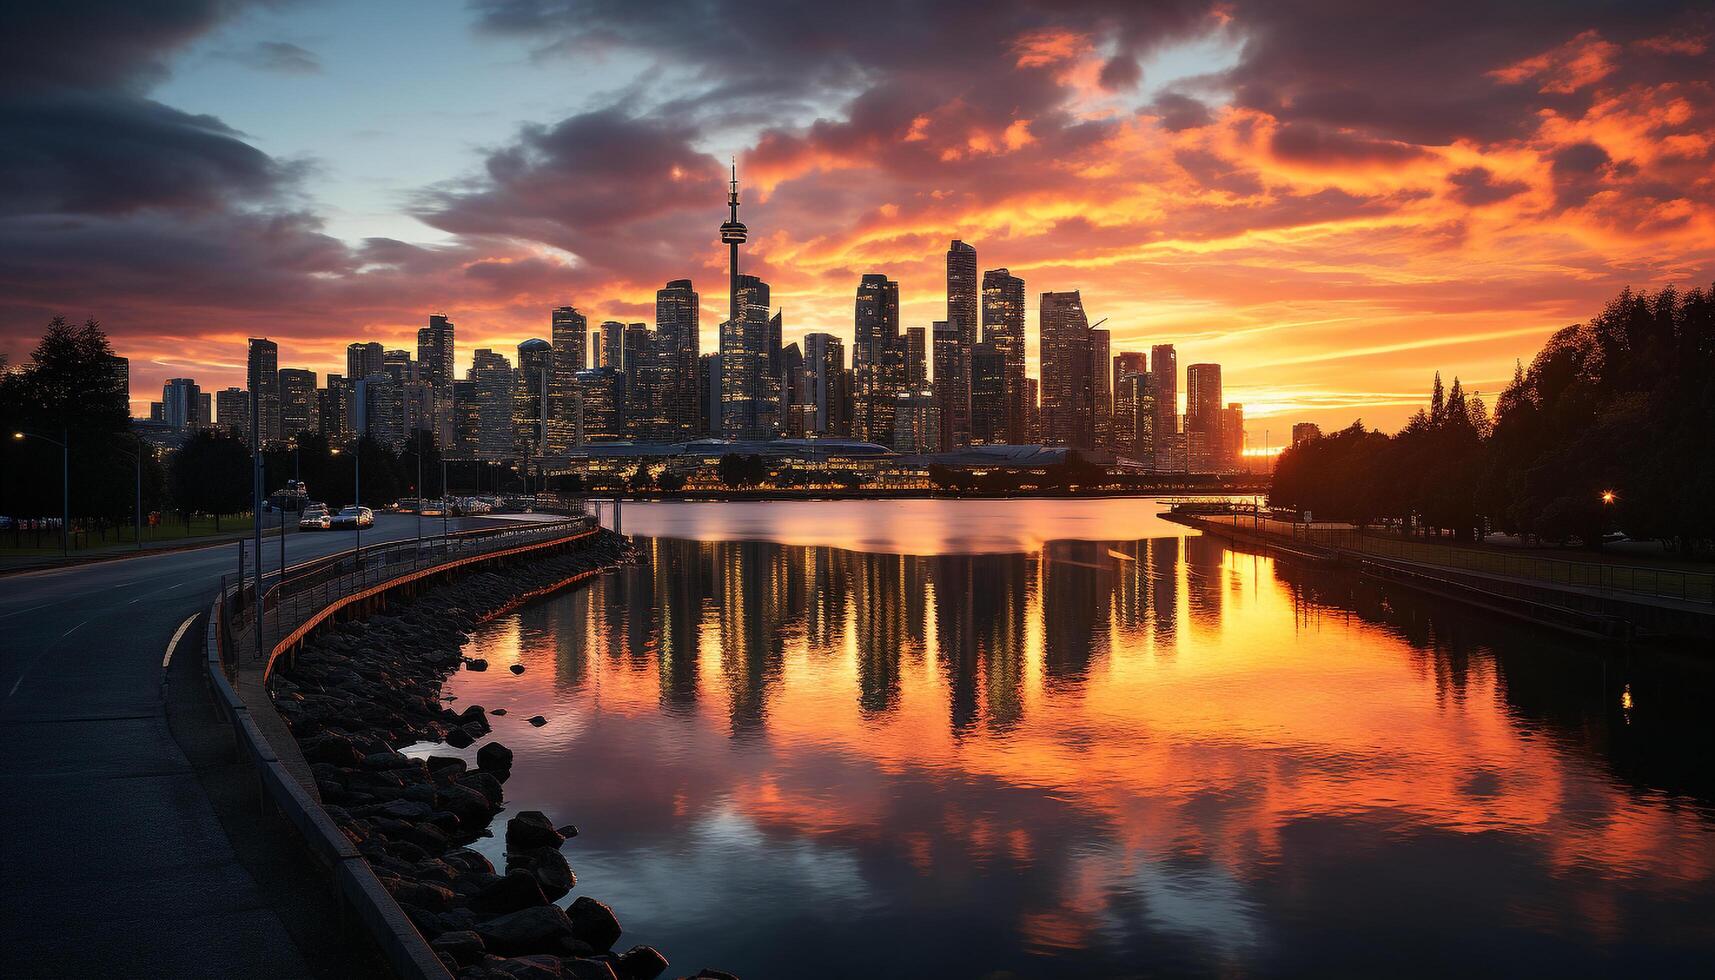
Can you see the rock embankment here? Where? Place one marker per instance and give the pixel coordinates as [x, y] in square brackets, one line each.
[359, 691]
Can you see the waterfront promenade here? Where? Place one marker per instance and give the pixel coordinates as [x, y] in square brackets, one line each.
[116, 860]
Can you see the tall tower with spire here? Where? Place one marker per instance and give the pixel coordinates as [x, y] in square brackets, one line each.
[746, 403]
[733, 234]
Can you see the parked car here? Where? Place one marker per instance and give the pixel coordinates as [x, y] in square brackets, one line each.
[315, 519]
[350, 517]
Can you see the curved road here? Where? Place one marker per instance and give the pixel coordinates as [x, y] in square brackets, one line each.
[113, 860]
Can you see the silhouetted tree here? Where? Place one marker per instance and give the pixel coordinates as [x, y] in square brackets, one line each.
[210, 474]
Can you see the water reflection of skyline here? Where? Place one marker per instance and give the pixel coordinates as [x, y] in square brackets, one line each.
[1093, 749]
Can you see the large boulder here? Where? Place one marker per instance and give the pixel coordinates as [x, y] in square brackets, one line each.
[594, 923]
[549, 868]
[532, 930]
[531, 828]
[494, 758]
[517, 891]
[640, 963]
[587, 969]
[464, 947]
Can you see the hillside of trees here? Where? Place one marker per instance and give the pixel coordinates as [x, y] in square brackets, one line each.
[1621, 405]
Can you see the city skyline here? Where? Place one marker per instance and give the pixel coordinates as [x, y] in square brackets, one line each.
[1195, 176]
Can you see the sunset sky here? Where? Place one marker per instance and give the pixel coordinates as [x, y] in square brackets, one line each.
[1330, 198]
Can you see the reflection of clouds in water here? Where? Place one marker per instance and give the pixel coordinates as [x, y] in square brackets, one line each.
[1203, 901]
[753, 870]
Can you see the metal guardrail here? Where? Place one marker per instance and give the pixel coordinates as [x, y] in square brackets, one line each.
[308, 588]
[1664, 583]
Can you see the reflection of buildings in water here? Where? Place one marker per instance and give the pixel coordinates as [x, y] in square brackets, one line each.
[1163, 564]
[956, 635]
[829, 599]
[1204, 580]
[881, 617]
[1000, 593]
[683, 579]
[752, 648]
[1074, 608]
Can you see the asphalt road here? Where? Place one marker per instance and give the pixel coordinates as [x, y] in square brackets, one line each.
[112, 858]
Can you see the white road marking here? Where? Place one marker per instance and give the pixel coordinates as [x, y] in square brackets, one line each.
[74, 629]
[174, 645]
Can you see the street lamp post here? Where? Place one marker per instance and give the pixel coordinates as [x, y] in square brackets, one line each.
[65, 482]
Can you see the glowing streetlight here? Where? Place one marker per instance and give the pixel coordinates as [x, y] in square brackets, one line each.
[1608, 496]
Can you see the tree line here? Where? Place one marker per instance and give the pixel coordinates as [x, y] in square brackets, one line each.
[1610, 428]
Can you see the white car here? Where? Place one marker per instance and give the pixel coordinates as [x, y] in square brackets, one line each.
[315, 519]
[354, 517]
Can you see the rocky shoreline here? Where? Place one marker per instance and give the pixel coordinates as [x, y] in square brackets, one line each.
[359, 691]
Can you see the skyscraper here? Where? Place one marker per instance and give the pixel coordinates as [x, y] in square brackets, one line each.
[1003, 326]
[824, 363]
[530, 403]
[1127, 366]
[1164, 388]
[264, 385]
[363, 360]
[954, 397]
[1203, 446]
[232, 411]
[569, 334]
[678, 316]
[1068, 397]
[300, 406]
[745, 386]
[1102, 394]
[917, 357]
[988, 394]
[878, 358]
[948, 390]
[435, 351]
[180, 403]
[613, 345]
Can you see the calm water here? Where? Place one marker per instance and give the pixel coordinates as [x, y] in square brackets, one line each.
[1049, 738]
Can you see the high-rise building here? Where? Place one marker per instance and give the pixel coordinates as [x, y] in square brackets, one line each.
[948, 389]
[378, 407]
[797, 405]
[1128, 366]
[824, 363]
[748, 397]
[363, 360]
[300, 407]
[335, 410]
[612, 345]
[1068, 396]
[1032, 411]
[181, 402]
[878, 358]
[988, 395]
[678, 318]
[483, 415]
[530, 403]
[1101, 392]
[604, 410]
[399, 366]
[232, 411]
[205, 410]
[484, 359]
[1167, 446]
[915, 422]
[435, 351]
[1232, 437]
[917, 357]
[570, 333]
[1003, 326]
[962, 316]
[264, 385]
[1203, 448]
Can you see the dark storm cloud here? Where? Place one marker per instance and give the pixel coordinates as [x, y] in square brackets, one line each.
[1121, 72]
[603, 185]
[93, 152]
[1475, 187]
[101, 44]
[1578, 171]
[1421, 73]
